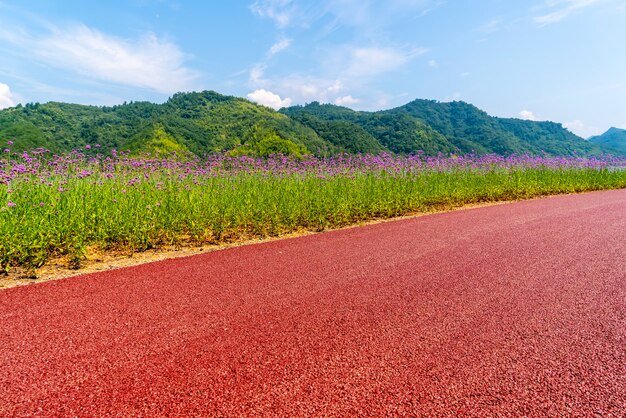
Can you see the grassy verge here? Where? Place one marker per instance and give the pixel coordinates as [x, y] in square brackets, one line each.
[62, 205]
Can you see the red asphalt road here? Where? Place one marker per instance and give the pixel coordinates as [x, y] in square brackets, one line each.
[516, 309]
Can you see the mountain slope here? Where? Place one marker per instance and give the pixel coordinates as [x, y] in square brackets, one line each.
[454, 127]
[199, 122]
[614, 138]
[345, 135]
[400, 134]
[206, 122]
[468, 128]
[472, 129]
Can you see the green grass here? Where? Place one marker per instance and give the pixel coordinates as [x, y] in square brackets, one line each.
[63, 215]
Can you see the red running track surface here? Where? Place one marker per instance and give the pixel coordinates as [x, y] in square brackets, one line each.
[516, 309]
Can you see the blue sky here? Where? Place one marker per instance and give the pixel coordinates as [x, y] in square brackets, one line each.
[560, 60]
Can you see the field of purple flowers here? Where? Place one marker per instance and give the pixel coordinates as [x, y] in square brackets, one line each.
[59, 205]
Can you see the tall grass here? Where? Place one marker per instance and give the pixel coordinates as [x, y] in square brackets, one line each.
[61, 205]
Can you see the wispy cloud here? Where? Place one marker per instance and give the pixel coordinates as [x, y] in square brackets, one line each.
[337, 69]
[557, 10]
[6, 97]
[147, 62]
[308, 88]
[364, 14]
[279, 46]
[345, 68]
[371, 61]
[267, 98]
[282, 12]
[256, 74]
[368, 13]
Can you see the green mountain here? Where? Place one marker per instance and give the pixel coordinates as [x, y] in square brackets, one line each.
[202, 122]
[206, 122]
[614, 138]
[458, 127]
[401, 133]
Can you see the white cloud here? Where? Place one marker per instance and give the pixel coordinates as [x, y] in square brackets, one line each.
[6, 97]
[433, 64]
[346, 101]
[279, 46]
[336, 87]
[267, 98]
[298, 88]
[147, 62]
[560, 9]
[364, 62]
[527, 115]
[579, 128]
[280, 11]
[307, 89]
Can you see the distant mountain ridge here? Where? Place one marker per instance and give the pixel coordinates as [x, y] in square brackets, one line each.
[614, 138]
[206, 122]
[451, 127]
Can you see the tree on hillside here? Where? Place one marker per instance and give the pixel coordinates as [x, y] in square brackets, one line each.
[261, 141]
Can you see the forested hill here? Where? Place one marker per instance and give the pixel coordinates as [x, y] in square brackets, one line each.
[614, 138]
[201, 122]
[448, 127]
[206, 122]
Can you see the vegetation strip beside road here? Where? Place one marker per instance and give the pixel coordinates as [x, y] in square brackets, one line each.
[61, 206]
[96, 260]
